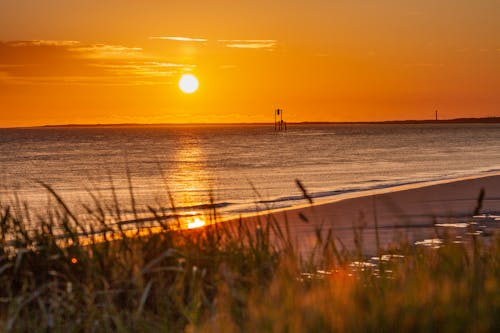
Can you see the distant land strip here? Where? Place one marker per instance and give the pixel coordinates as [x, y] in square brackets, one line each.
[483, 120]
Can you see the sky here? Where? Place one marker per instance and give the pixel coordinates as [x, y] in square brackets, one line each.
[87, 62]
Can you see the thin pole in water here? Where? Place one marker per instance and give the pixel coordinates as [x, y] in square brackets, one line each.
[281, 121]
[275, 119]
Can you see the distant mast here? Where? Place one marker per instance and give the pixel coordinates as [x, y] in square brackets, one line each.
[436, 115]
[279, 124]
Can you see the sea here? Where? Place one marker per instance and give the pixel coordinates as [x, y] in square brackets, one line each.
[237, 169]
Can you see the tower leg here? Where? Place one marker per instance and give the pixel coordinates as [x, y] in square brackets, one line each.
[275, 120]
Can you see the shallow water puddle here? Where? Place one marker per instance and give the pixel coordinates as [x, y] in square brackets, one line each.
[434, 243]
[452, 225]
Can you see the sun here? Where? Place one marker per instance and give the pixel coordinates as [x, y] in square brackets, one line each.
[188, 83]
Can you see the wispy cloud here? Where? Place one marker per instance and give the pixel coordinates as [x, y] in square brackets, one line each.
[180, 38]
[145, 69]
[44, 43]
[249, 43]
[268, 44]
[73, 62]
[91, 50]
[104, 51]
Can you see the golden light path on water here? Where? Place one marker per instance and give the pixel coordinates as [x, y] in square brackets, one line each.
[197, 223]
[188, 223]
[188, 184]
[189, 180]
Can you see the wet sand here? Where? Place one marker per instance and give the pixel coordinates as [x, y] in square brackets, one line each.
[406, 212]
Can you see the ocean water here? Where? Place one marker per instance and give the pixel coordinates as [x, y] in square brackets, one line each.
[240, 169]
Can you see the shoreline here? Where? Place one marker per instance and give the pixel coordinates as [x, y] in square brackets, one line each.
[386, 216]
[363, 193]
[408, 212]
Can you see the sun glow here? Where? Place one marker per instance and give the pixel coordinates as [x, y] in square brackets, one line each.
[188, 83]
[197, 223]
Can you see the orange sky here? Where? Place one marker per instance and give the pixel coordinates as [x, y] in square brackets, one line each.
[83, 61]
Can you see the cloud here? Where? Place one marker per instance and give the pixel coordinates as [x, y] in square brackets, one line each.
[145, 69]
[109, 80]
[91, 50]
[109, 51]
[180, 38]
[73, 62]
[249, 43]
[268, 44]
[44, 43]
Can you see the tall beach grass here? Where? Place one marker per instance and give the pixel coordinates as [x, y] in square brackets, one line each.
[61, 274]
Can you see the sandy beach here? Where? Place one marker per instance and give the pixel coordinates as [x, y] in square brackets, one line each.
[404, 212]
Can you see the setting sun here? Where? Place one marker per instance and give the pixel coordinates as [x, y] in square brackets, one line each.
[188, 83]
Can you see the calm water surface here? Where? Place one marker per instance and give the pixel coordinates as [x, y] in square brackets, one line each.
[243, 168]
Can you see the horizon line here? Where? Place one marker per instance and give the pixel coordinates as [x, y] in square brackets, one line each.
[490, 119]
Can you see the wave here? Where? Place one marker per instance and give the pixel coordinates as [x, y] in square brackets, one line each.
[370, 186]
[255, 206]
[332, 193]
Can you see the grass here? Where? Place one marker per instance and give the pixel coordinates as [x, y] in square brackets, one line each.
[65, 275]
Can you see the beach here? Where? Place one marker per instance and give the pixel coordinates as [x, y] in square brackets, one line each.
[124, 258]
[236, 166]
[408, 212]
[407, 177]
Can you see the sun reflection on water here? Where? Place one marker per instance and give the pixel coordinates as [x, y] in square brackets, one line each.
[190, 182]
[196, 223]
[188, 177]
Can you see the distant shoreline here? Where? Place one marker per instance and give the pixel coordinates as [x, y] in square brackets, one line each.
[482, 120]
